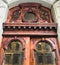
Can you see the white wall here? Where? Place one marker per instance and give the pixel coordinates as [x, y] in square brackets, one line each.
[12, 3]
[3, 15]
[56, 15]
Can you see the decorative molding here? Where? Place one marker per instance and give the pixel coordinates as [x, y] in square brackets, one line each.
[41, 13]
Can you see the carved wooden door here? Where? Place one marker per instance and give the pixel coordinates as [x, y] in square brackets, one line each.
[41, 52]
[36, 52]
[33, 23]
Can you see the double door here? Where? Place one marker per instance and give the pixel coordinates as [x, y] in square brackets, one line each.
[35, 52]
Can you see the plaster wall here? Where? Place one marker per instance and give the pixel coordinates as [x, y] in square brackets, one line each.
[56, 16]
[12, 3]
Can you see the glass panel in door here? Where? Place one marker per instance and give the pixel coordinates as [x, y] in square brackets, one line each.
[43, 54]
[14, 54]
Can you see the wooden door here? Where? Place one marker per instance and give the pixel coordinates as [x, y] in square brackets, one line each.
[36, 52]
[41, 52]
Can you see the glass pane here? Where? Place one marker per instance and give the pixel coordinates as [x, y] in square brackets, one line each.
[40, 59]
[16, 58]
[17, 46]
[47, 47]
[14, 46]
[30, 16]
[49, 58]
[39, 46]
[7, 58]
[43, 46]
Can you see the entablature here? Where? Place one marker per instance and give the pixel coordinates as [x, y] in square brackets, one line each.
[9, 26]
[29, 29]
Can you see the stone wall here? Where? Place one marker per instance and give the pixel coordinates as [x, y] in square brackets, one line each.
[56, 15]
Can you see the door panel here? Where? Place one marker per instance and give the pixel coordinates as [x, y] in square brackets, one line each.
[42, 52]
[14, 54]
[35, 53]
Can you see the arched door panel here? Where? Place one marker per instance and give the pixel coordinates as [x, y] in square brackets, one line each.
[14, 54]
[43, 54]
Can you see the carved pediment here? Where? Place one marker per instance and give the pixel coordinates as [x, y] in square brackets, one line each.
[29, 13]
